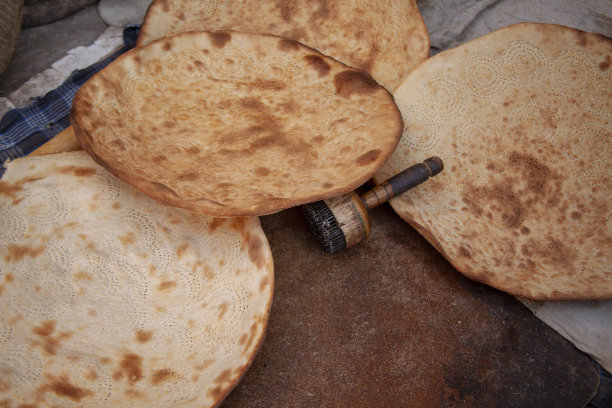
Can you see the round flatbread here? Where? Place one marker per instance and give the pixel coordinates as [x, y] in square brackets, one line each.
[235, 124]
[521, 118]
[109, 299]
[386, 38]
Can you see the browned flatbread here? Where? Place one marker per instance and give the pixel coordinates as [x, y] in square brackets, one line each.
[386, 38]
[109, 299]
[235, 124]
[522, 119]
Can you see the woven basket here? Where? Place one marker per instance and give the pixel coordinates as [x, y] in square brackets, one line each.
[10, 25]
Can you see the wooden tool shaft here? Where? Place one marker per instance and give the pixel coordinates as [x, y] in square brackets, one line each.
[401, 182]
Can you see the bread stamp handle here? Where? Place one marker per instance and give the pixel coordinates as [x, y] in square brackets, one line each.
[402, 182]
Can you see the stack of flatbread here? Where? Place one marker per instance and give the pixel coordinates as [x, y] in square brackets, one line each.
[230, 108]
[521, 118]
[109, 298]
[228, 123]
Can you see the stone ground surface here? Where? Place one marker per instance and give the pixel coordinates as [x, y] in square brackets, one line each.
[390, 323]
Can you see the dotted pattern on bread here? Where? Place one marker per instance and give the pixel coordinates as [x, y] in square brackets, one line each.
[231, 124]
[521, 119]
[109, 299]
[386, 38]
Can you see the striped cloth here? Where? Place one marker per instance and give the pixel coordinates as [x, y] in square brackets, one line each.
[23, 130]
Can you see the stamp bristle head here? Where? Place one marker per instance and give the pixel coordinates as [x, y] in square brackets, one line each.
[325, 227]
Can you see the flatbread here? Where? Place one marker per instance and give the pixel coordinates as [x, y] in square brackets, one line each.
[386, 38]
[521, 118]
[234, 124]
[108, 299]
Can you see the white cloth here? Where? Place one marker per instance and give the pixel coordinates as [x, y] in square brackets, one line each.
[586, 324]
[453, 22]
[77, 58]
[121, 12]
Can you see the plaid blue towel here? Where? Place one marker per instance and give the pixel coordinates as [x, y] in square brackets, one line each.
[25, 129]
